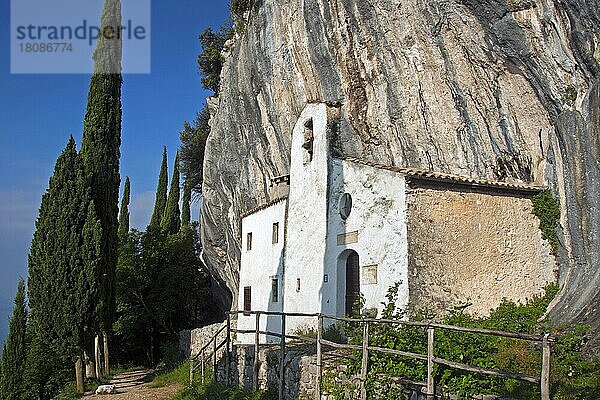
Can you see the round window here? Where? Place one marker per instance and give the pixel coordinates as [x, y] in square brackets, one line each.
[345, 205]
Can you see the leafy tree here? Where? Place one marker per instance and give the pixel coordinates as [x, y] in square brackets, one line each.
[194, 135]
[186, 214]
[171, 219]
[124, 210]
[193, 139]
[161, 192]
[14, 351]
[100, 151]
[210, 60]
[238, 7]
[65, 261]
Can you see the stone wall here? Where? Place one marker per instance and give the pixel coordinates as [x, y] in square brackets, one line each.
[192, 341]
[300, 371]
[301, 374]
[476, 247]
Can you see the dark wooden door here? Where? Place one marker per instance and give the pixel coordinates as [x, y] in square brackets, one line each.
[352, 284]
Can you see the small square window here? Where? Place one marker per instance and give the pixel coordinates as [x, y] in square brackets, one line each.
[275, 289]
[249, 241]
[276, 232]
[247, 299]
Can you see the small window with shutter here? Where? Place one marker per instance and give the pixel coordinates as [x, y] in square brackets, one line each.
[275, 289]
[276, 232]
[249, 241]
[247, 298]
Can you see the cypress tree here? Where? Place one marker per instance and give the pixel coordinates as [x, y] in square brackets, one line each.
[171, 219]
[124, 210]
[100, 149]
[65, 261]
[14, 351]
[161, 193]
[186, 215]
[45, 372]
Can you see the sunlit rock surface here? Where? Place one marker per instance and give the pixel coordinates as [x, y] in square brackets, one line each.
[503, 90]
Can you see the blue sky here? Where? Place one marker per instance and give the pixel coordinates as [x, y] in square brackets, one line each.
[39, 112]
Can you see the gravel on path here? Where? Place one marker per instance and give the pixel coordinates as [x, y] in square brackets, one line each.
[136, 386]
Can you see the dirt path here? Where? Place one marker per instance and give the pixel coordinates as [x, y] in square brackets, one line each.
[136, 386]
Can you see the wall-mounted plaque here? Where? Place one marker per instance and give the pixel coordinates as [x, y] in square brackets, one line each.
[369, 275]
[347, 238]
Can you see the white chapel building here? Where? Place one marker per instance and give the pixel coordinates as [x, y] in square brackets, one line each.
[341, 230]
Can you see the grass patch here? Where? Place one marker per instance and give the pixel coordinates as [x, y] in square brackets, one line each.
[179, 374]
[69, 392]
[211, 391]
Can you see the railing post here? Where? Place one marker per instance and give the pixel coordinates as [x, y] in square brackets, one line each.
[545, 378]
[214, 357]
[256, 343]
[191, 368]
[282, 360]
[227, 353]
[319, 357]
[202, 365]
[430, 380]
[364, 363]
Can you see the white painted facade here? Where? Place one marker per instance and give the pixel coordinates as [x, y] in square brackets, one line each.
[379, 217]
[260, 265]
[311, 266]
[317, 245]
[306, 239]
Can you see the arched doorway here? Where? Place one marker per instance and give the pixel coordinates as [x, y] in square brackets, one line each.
[352, 283]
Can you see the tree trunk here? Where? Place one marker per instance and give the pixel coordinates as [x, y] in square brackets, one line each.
[79, 376]
[106, 364]
[90, 369]
[97, 357]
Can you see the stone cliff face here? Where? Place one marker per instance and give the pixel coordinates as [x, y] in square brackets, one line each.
[496, 89]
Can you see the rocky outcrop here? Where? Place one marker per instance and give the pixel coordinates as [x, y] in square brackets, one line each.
[496, 89]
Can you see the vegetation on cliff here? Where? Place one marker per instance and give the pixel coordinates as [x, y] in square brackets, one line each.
[547, 209]
[194, 135]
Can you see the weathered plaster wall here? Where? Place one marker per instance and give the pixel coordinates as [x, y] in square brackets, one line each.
[314, 223]
[379, 217]
[474, 247]
[307, 212]
[259, 266]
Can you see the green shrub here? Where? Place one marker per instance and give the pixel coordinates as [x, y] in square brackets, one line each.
[572, 377]
[547, 209]
[570, 95]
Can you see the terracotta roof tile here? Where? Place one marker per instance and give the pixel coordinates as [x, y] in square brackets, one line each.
[449, 178]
